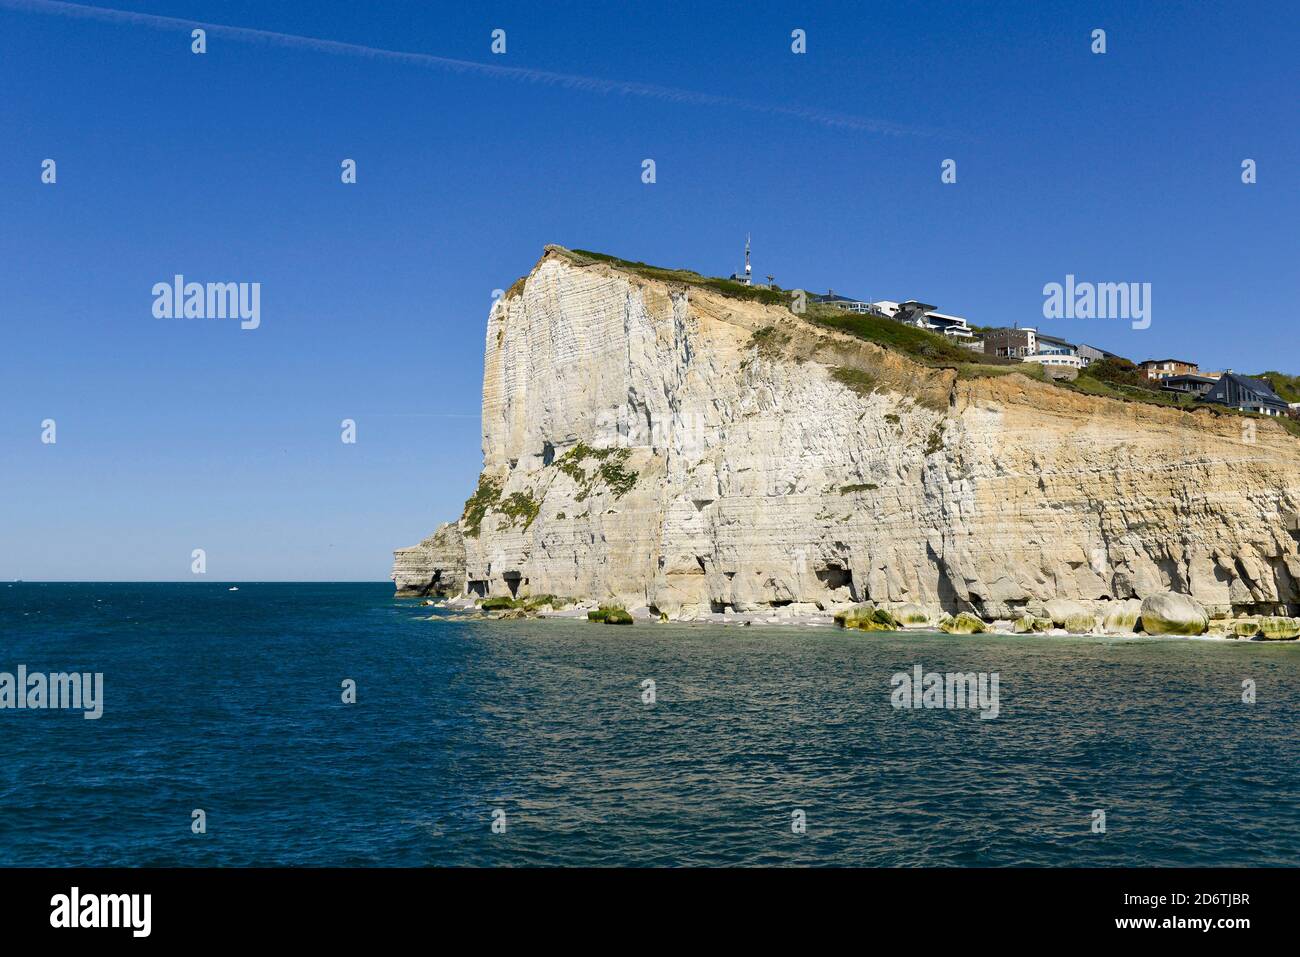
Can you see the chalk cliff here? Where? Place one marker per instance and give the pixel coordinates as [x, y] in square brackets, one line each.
[435, 567]
[666, 445]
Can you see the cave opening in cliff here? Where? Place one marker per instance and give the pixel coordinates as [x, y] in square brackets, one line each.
[512, 580]
[548, 453]
[834, 577]
[479, 587]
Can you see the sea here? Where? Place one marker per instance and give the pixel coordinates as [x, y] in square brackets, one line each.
[333, 725]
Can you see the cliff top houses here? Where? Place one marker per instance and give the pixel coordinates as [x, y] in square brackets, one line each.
[1064, 359]
[1060, 358]
[1243, 393]
[911, 312]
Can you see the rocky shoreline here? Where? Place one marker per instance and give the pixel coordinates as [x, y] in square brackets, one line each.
[1163, 615]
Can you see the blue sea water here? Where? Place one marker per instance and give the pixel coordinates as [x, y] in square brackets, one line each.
[231, 701]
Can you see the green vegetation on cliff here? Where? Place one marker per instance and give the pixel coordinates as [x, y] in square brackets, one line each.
[485, 496]
[921, 345]
[516, 507]
[610, 470]
[863, 383]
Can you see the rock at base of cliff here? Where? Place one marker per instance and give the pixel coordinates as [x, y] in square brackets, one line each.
[913, 614]
[866, 617]
[1071, 615]
[1122, 619]
[1028, 624]
[1275, 628]
[610, 615]
[963, 623]
[849, 617]
[1169, 613]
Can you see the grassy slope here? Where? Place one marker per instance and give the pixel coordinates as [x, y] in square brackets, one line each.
[1287, 386]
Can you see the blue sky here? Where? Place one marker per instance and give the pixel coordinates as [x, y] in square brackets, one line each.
[178, 434]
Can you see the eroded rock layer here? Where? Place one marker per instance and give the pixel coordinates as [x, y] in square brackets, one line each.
[435, 567]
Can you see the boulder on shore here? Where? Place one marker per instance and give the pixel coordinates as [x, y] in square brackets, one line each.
[1275, 628]
[848, 617]
[1169, 613]
[1071, 615]
[878, 620]
[912, 614]
[1122, 619]
[963, 623]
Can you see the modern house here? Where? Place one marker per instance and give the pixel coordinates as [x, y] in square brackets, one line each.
[1189, 384]
[1246, 394]
[954, 327]
[846, 303]
[1052, 346]
[909, 312]
[1011, 343]
[923, 316]
[1164, 368]
[1090, 354]
[1061, 359]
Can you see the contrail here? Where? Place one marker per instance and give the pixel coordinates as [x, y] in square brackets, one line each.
[568, 81]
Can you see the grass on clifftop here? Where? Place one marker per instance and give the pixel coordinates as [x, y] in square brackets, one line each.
[727, 287]
[928, 348]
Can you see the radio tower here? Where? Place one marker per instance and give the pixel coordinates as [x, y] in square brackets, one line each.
[747, 269]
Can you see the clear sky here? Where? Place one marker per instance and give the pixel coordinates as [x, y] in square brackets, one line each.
[174, 434]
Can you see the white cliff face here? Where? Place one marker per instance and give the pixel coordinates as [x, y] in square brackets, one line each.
[641, 444]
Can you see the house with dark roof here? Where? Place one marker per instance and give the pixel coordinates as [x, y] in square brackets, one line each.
[847, 303]
[1246, 394]
[1189, 384]
[1090, 354]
